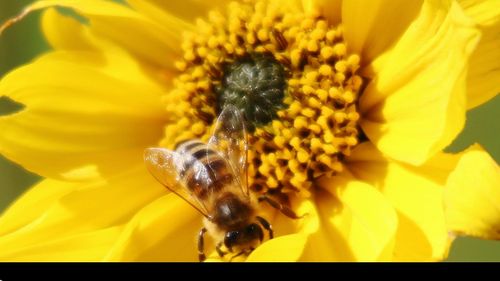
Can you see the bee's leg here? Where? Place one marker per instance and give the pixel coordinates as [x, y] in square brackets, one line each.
[219, 250]
[282, 208]
[266, 225]
[239, 254]
[201, 244]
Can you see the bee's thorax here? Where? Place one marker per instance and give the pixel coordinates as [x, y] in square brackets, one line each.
[232, 212]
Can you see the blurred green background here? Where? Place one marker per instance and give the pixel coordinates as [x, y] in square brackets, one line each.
[23, 42]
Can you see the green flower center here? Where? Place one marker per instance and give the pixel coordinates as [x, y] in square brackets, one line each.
[256, 85]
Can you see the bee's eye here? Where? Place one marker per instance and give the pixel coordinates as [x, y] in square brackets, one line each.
[251, 228]
[231, 238]
[254, 231]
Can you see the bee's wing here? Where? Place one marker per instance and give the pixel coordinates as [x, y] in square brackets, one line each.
[230, 138]
[165, 165]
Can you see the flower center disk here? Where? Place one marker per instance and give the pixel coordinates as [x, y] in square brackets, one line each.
[290, 75]
[255, 84]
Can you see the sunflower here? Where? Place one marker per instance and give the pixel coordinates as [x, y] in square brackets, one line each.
[349, 105]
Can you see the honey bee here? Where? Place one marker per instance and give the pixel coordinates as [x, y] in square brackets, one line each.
[212, 178]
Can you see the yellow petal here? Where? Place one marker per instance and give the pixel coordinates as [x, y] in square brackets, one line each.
[189, 10]
[356, 223]
[484, 69]
[289, 247]
[27, 208]
[484, 12]
[417, 195]
[165, 230]
[415, 105]
[86, 208]
[135, 32]
[330, 9]
[70, 122]
[64, 32]
[91, 246]
[472, 196]
[371, 27]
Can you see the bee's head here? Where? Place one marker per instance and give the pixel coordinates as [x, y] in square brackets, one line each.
[245, 237]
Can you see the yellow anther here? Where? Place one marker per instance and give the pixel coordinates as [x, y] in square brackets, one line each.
[300, 177]
[272, 182]
[353, 116]
[339, 49]
[356, 82]
[321, 24]
[279, 141]
[323, 122]
[295, 57]
[339, 117]
[337, 166]
[325, 70]
[311, 77]
[353, 60]
[264, 169]
[313, 103]
[271, 158]
[229, 48]
[307, 24]
[189, 55]
[202, 51]
[316, 144]
[280, 172]
[251, 38]
[263, 35]
[284, 154]
[328, 137]
[326, 111]
[293, 82]
[307, 112]
[348, 96]
[325, 159]
[295, 108]
[339, 78]
[203, 85]
[329, 148]
[212, 42]
[315, 128]
[334, 93]
[295, 142]
[198, 128]
[322, 94]
[327, 52]
[330, 35]
[341, 66]
[312, 46]
[318, 34]
[300, 122]
[287, 134]
[180, 65]
[351, 141]
[277, 125]
[198, 72]
[294, 165]
[307, 89]
[302, 156]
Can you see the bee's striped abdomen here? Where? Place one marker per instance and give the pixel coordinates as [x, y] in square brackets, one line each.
[204, 171]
